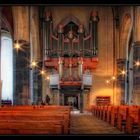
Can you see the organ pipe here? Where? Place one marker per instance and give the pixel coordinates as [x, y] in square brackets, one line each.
[70, 68]
[60, 67]
[80, 67]
[47, 26]
[81, 36]
[60, 39]
[94, 31]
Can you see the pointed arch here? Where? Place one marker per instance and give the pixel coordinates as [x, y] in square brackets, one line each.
[125, 33]
[68, 19]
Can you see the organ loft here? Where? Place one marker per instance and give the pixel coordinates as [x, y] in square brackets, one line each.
[58, 60]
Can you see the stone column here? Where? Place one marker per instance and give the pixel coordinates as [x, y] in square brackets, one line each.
[35, 55]
[135, 70]
[21, 76]
[136, 74]
[136, 23]
[81, 101]
[37, 84]
[21, 56]
[121, 80]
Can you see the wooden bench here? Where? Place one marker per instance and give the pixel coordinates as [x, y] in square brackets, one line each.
[104, 117]
[60, 114]
[114, 112]
[121, 117]
[133, 120]
[109, 108]
[30, 127]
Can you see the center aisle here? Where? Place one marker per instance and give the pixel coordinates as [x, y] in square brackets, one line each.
[85, 123]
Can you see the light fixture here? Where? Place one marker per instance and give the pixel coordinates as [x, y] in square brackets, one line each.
[47, 77]
[113, 77]
[137, 63]
[34, 64]
[123, 72]
[17, 46]
[42, 72]
[107, 81]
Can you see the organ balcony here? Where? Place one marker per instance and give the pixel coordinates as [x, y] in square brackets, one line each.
[70, 51]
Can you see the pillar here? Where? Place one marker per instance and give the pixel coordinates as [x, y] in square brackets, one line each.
[21, 58]
[21, 73]
[36, 77]
[121, 80]
[81, 101]
[136, 74]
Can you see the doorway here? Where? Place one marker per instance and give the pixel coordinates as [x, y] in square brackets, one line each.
[71, 100]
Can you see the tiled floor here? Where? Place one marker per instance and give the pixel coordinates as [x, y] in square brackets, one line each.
[85, 123]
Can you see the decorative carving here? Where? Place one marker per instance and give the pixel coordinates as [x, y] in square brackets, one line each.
[60, 28]
[94, 16]
[48, 15]
[81, 28]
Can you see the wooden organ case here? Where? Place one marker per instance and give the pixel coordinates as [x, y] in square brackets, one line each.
[71, 52]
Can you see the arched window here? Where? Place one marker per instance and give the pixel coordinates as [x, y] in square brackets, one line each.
[7, 66]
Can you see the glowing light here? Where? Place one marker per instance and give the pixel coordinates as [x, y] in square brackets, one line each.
[17, 46]
[123, 72]
[42, 72]
[138, 63]
[113, 77]
[48, 78]
[107, 81]
[34, 64]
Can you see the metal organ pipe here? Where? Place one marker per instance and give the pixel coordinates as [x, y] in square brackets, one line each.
[44, 40]
[60, 67]
[81, 42]
[47, 34]
[70, 68]
[94, 31]
[60, 39]
[80, 67]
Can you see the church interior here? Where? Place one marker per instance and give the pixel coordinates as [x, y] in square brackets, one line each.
[69, 69]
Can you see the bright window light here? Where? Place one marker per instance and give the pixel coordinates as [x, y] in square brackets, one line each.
[7, 68]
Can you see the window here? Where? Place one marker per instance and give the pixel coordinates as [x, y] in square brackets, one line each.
[7, 66]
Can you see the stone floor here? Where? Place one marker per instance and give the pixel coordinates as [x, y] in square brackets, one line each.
[85, 123]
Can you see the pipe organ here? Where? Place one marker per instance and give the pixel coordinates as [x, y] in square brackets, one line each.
[69, 50]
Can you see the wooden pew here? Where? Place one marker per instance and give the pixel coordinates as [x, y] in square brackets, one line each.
[109, 114]
[114, 112]
[48, 115]
[104, 117]
[30, 127]
[133, 120]
[121, 117]
[19, 113]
